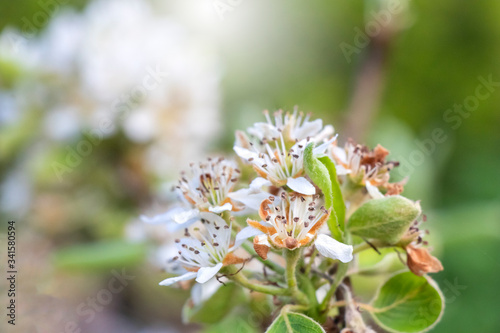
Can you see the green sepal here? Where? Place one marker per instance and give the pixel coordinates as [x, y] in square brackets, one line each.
[323, 173]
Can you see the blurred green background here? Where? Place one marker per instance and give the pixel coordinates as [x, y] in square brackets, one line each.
[396, 90]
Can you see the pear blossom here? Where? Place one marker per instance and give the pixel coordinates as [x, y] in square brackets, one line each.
[206, 251]
[366, 167]
[277, 149]
[294, 127]
[294, 221]
[205, 187]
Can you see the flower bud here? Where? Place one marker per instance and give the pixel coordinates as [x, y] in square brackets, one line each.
[385, 219]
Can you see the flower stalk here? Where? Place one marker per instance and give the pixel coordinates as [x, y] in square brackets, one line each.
[238, 277]
[292, 257]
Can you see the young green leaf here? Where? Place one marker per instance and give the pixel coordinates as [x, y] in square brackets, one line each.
[386, 219]
[408, 303]
[322, 172]
[215, 308]
[238, 323]
[338, 200]
[294, 323]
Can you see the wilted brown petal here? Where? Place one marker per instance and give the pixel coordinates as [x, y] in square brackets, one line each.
[261, 249]
[420, 261]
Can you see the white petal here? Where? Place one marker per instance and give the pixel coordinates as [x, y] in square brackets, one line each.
[326, 132]
[321, 292]
[250, 200]
[263, 239]
[252, 197]
[340, 154]
[202, 292]
[185, 216]
[243, 235]
[179, 215]
[333, 249]
[323, 147]
[310, 128]
[341, 170]
[301, 185]
[220, 209]
[258, 183]
[373, 191]
[245, 153]
[206, 273]
[263, 130]
[162, 258]
[172, 280]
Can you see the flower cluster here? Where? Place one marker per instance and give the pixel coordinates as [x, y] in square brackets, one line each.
[309, 211]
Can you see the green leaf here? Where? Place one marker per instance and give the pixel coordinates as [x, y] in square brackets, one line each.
[290, 322]
[386, 219]
[408, 303]
[323, 173]
[338, 200]
[239, 324]
[100, 256]
[215, 308]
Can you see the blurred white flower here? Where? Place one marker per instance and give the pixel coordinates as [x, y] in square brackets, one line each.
[127, 63]
[204, 255]
[205, 187]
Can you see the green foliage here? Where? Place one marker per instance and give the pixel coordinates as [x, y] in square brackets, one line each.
[9, 73]
[338, 201]
[408, 303]
[323, 173]
[101, 255]
[294, 323]
[215, 308]
[385, 219]
[232, 324]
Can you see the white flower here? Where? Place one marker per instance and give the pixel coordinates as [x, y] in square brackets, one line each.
[204, 188]
[294, 127]
[252, 196]
[294, 222]
[277, 151]
[204, 255]
[162, 258]
[208, 184]
[365, 167]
